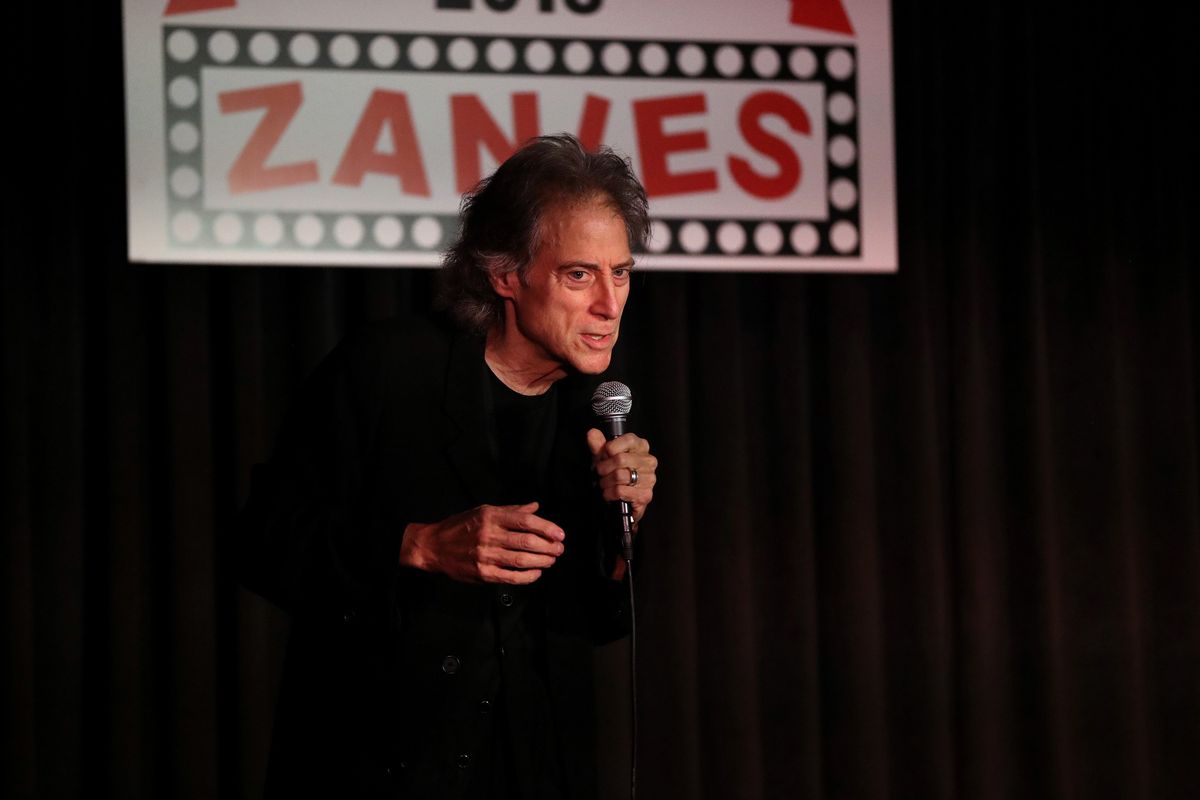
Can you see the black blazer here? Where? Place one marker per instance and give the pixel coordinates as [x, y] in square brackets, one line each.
[394, 677]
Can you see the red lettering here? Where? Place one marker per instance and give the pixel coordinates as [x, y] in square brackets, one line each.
[655, 144]
[192, 6]
[474, 127]
[404, 162]
[785, 181]
[828, 15]
[249, 172]
[592, 121]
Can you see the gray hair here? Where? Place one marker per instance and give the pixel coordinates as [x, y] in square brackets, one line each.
[502, 219]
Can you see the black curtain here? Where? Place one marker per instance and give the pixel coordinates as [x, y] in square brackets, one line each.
[927, 535]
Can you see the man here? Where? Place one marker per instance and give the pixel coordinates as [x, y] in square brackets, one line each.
[434, 518]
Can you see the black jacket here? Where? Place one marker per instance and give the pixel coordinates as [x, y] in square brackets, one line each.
[393, 677]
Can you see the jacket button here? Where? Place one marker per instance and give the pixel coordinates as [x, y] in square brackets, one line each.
[450, 664]
[506, 599]
[485, 707]
[464, 761]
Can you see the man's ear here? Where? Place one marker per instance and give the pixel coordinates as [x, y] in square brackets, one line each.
[505, 283]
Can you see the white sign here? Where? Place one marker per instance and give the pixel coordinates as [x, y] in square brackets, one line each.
[345, 131]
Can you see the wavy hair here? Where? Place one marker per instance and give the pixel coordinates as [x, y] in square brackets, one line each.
[501, 219]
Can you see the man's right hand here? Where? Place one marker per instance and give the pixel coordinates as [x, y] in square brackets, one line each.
[492, 544]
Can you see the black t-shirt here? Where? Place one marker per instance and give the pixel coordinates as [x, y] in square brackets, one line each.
[523, 428]
[522, 435]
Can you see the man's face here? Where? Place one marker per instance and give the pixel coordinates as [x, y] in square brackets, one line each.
[567, 314]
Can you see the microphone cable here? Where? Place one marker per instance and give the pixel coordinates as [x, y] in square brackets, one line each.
[611, 402]
[633, 695]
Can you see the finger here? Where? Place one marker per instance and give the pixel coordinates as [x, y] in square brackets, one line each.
[528, 522]
[488, 516]
[639, 495]
[517, 551]
[622, 475]
[516, 559]
[631, 458]
[644, 463]
[625, 443]
[516, 577]
[522, 559]
[504, 520]
[521, 577]
[528, 543]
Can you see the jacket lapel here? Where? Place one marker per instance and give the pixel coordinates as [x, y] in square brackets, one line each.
[468, 438]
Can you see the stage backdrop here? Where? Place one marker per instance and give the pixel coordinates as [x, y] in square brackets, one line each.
[318, 132]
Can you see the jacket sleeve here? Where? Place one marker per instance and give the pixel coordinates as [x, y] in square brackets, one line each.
[608, 610]
[306, 541]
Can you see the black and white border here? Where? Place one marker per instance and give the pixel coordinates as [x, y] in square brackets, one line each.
[187, 50]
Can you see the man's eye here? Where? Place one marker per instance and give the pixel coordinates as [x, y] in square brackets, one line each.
[577, 275]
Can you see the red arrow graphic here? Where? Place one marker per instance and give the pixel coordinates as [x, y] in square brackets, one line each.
[829, 15]
[192, 6]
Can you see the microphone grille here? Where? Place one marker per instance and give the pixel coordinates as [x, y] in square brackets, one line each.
[612, 399]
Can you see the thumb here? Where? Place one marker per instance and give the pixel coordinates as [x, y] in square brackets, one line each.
[595, 440]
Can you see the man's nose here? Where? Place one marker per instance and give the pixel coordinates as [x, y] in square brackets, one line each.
[606, 303]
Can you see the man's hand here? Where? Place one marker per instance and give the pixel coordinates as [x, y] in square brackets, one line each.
[493, 544]
[617, 461]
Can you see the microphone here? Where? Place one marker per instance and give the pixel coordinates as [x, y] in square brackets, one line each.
[612, 402]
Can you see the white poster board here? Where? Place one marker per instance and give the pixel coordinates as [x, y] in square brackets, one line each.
[344, 132]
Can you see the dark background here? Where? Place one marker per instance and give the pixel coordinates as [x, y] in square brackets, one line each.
[928, 535]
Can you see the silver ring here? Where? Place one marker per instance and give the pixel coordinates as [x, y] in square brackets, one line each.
[633, 478]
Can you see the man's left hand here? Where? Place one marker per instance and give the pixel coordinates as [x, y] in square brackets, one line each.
[617, 462]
